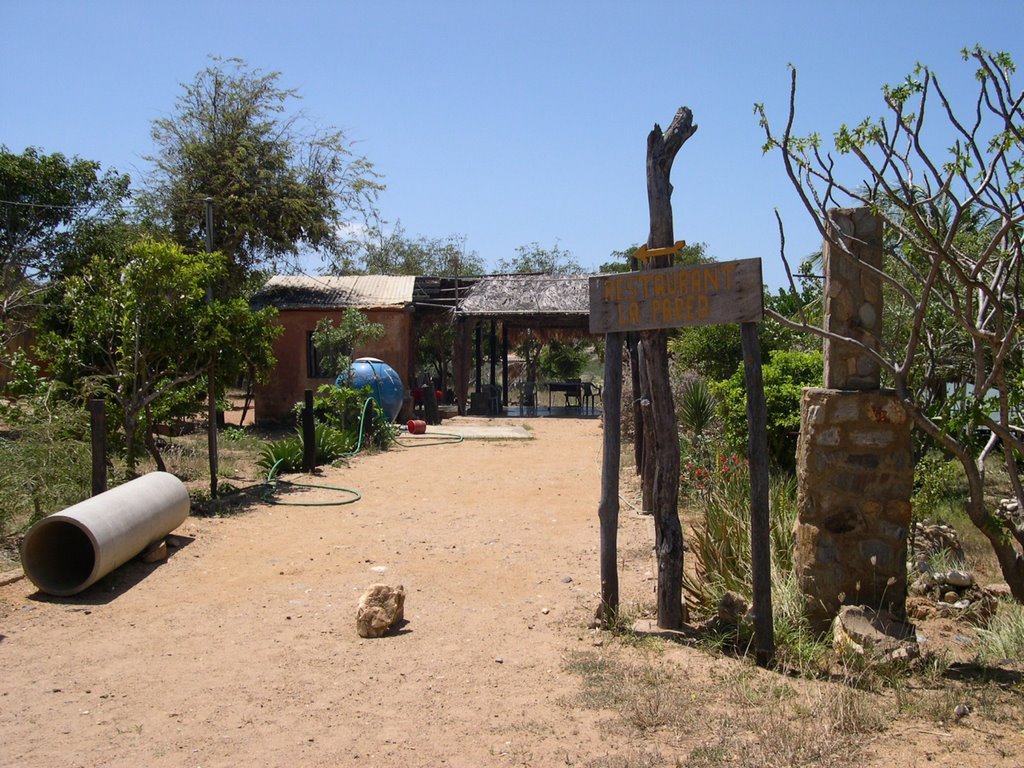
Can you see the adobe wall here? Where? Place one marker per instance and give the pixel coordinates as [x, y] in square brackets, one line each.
[855, 475]
[288, 380]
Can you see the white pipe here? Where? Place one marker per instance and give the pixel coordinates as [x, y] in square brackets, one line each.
[68, 551]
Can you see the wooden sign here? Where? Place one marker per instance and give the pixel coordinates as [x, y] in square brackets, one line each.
[705, 294]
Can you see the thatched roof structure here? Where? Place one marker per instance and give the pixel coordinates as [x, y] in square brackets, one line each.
[553, 301]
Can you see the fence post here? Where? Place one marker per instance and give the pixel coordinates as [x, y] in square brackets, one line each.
[308, 434]
[98, 427]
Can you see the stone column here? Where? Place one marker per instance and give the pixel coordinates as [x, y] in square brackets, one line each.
[853, 297]
[855, 475]
[855, 469]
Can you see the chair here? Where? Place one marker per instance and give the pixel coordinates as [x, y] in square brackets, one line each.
[591, 392]
[493, 399]
[574, 392]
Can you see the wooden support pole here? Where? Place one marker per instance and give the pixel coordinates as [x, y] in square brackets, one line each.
[492, 352]
[98, 427]
[308, 433]
[661, 433]
[760, 531]
[504, 364]
[479, 357]
[461, 364]
[608, 509]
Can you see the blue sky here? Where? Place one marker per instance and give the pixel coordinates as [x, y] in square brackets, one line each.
[507, 123]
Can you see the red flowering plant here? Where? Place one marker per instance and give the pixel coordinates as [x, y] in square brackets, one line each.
[701, 475]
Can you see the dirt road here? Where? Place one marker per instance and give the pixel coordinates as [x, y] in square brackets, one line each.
[241, 650]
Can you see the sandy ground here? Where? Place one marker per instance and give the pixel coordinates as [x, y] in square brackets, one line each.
[240, 649]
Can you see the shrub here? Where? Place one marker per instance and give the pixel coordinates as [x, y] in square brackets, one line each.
[938, 484]
[785, 375]
[45, 459]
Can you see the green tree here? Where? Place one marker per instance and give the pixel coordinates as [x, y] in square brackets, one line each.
[533, 259]
[335, 342]
[954, 255]
[141, 331]
[396, 253]
[52, 209]
[278, 185]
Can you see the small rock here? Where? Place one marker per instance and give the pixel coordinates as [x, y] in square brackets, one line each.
[567, 579]
[498, 660]
[598, 642]
[545, 611]
[961, 711]
[380, 608]
[950, 597]
[959, 579]
[156, 553]
[878, 633]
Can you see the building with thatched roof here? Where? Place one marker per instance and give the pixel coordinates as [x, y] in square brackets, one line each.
[546, 306]
[542, 306]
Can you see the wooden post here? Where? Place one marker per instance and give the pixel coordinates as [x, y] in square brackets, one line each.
[479, 358]
[760, 531]
[431, 413]
[504, 364]
[608, 510]
[98, 427]
[461, 363]
[633, 347]
[661, 436]
[308, 433]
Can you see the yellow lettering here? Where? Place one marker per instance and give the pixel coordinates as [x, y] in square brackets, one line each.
[728, 270]
[634, 313]
[703, 306]
[711, 279]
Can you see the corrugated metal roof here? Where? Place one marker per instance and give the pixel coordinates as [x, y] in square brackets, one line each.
[308, 292]
[528, 295]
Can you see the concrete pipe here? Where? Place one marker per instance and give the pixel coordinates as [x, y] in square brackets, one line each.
[68, 551]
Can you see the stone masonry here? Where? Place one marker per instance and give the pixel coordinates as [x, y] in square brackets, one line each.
[855, 477]
[853, 297]
[855, 469]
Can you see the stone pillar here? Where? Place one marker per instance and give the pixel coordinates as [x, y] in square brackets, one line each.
[853, 297]
[855, 475]
[855, 469]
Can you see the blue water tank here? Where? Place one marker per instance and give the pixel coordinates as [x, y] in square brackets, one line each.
[383, 381]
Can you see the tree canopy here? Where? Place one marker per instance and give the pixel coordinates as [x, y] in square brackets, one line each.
[140, 332]
[278, 185]
[534, 258]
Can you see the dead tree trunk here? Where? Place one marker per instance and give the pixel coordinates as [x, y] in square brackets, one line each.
[661, 432]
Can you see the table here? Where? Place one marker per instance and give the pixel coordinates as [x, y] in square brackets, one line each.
[570, 388]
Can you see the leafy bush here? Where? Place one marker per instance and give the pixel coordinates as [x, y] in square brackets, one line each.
[938, 483]
[344, 407]
[341, 415]
[562, 360]
[45, 459]
[785, 375]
